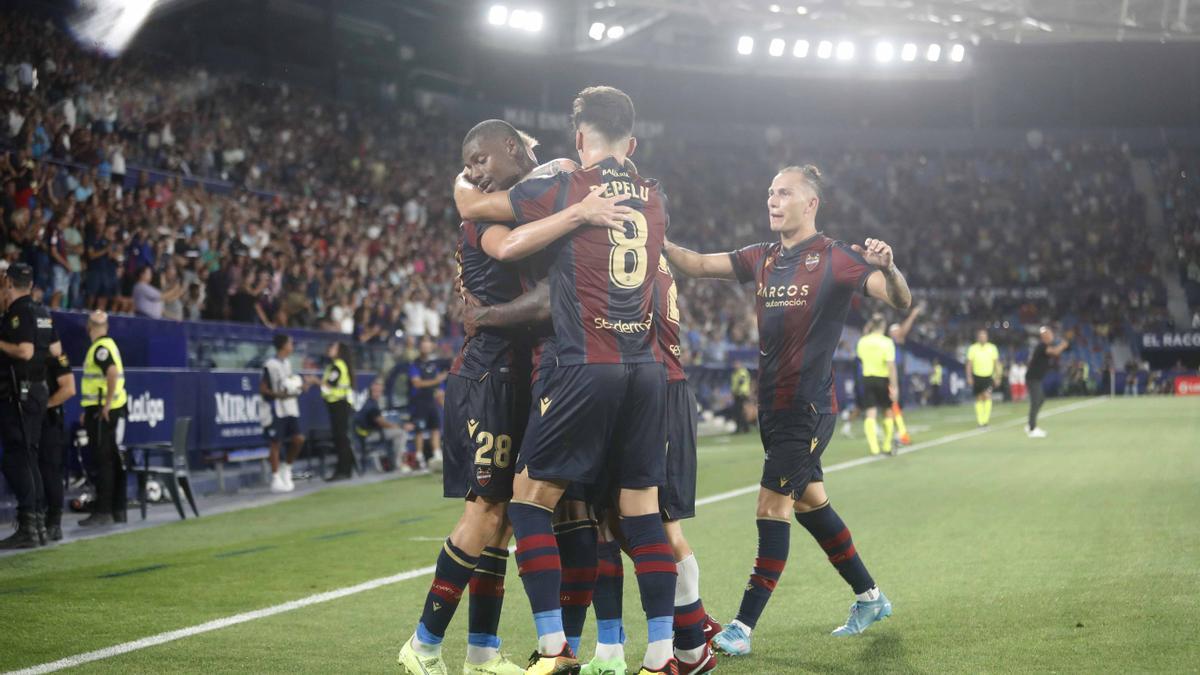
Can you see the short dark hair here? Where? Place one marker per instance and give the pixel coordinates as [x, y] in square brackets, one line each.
[492, 129]
[812, 176]
[280, 340]
[608, 110]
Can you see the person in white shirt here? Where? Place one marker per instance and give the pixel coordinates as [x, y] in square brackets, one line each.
[280, 390]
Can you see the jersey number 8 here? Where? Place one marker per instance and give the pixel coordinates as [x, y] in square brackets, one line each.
[628, 261]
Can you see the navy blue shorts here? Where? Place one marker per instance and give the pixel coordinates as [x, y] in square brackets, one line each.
[282, 429]
[677, 500]
[588, 420]
[425, 415]
[485, 421]
[793, 442]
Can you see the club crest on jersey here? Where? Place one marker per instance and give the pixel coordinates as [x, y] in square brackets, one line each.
[483, 475]
[811, 261]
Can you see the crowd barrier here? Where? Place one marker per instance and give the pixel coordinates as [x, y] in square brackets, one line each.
[224, 405]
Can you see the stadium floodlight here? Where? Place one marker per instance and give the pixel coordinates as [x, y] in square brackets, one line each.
[801, 10]
[884, 52]
[615, 32]
[745, 45]
[908, 52]
[957, 53]
[934, 52]
[523, 19]
[845, 51]
[498, 15]
[800, 49]
[824, 49]
[775, 9]
[776, 47]
[596, 32]
[110, 24]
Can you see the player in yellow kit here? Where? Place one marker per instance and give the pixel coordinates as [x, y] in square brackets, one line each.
[982, 357]
[878, 355]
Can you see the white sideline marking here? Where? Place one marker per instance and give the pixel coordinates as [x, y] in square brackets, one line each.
[217, 624]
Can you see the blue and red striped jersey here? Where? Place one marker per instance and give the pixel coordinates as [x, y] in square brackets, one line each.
[494, 350]
[666, 321]
[533, 270]
[802, 296]
[601, 280]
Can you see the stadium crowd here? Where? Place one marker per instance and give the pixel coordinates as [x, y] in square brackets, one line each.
[327, 216]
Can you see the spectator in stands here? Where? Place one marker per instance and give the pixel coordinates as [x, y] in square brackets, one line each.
[243, 304]
[151, 302]
[103, 252]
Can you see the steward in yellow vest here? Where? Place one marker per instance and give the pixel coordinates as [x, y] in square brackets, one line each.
[103, 400]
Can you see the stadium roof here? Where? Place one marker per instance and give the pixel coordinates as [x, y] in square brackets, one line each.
[973, 21]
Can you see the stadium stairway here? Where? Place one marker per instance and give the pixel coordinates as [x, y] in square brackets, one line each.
[1143, 181]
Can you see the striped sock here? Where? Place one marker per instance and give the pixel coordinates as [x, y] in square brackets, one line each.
[774, 536]
[689, 611]
[577, 549]
[450, 577]
[608, 598]
[540, 570]
[654, 564]
[487, 599]
[826, 526]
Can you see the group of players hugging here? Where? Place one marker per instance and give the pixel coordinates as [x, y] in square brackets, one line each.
[569, 421]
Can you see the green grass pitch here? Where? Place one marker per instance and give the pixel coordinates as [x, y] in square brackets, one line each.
[1076, 553]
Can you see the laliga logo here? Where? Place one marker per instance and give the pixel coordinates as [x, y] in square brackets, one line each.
[146, 409]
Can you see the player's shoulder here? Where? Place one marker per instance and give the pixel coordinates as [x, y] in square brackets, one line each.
[768, 247]
[830, 244]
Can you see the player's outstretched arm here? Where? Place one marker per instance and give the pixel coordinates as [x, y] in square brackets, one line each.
[1058, 349]
[475, 204]
[508, 245]
[886, 283]
[906, 327]
[527, 309]
[701, 265]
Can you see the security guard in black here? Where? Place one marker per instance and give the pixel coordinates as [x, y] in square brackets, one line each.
[26, 332]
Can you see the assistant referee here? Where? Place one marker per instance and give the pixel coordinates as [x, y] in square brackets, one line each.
[878, 355]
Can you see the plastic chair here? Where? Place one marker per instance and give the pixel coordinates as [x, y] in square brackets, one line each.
[175, 471]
